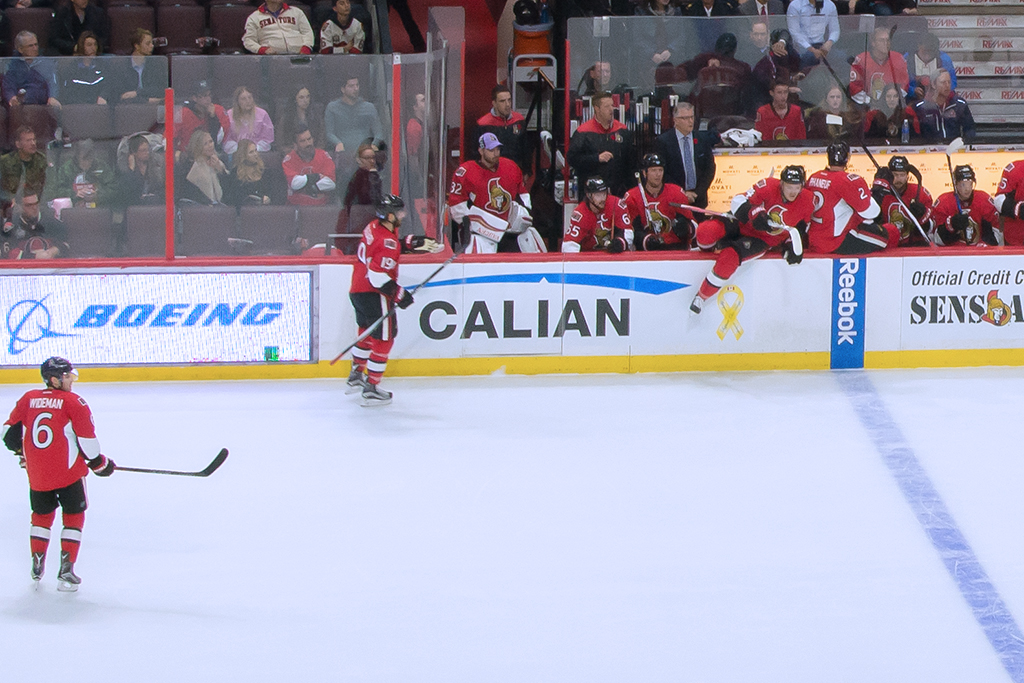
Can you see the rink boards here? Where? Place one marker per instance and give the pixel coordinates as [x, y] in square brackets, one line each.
[524, 317]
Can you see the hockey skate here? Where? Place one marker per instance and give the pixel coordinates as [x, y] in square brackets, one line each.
[38, 566]
[356, 382]
[373, 395]
[67, 581]
[697, 305]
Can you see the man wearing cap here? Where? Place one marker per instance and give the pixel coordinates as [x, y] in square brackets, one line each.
[603, 147]
[483, 197]
[200, 112]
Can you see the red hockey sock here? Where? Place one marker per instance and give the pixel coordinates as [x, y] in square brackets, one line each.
[708, 234]
[39, 534]
[361, 352]
[71, 536]
[725, 266]
[378, 361]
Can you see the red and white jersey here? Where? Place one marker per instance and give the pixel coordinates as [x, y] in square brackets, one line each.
[490, 190]
[293, 165]
[775, 127]
[868, 78]
[766, 197]
[54, 422]
[376, 258]
[1012, 184]
[595, 231]
[658, 214]
[981, 213]
[842, 201]
[342, 41]
[893, 212]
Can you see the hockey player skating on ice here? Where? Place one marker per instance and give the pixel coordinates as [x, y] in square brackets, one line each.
[773, 214]
[375, 293]
[599, 223]
[52, 432]
[966, 216]
[845, 210]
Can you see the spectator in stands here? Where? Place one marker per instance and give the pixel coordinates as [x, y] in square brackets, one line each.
[84, 179]
[757, 45]
[199, 112]
[365, 187]
[886, 121]
[688, 155]
[872, 69]
[925, 60]
[277, 28]
[658, 8]
[883, 8]
[709, 8]
[141, 79]
[302, 112]
[414, 137]
[22, 171]
[250, 183]
[72, 19]
[509, 126]
[832, 118]
[350, 119]
[597, 78]
[25, 4]
[85, 80]
[761, 9]
[603, 147]
[141, 178]
[248, 122]
[308, 172]
[723, 57]
[200, 172]
[780, 63]
[30, 79]
[342, 34]
[814, 25]
[943, 115]
[34, 236]
[780, 120]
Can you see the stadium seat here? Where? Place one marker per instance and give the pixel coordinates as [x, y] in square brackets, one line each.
[232, 71]
[205, 230]
[82, 121]
[132, 118]
[107, 4]
[227, 24]
[40, 118]
[180, 24]
[89, 232]
[316, 222]
[271, 228]
[145, 231]
[34, 19]
[124, 20]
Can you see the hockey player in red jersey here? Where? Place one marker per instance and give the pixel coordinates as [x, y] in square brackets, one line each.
[599, 223]
[655, 211]
[916, 206]
[773, 214]
[1009, 201]
[485, 193]
[966, 216]
[60, 449]
[844, 209]
[375, 292]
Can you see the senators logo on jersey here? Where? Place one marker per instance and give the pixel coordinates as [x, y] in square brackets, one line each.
[498, 200]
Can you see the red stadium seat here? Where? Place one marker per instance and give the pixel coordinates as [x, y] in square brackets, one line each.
[144, 231]
[124, 20]
[89, 232]
[34, 19]
[180, 24]
[227, 24]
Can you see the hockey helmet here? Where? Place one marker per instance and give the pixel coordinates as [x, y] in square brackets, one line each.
[899, 163]
[56, 366]
[389, 204]
[651, 160]
[964, 172]
[526, 12]
[595, 185]
[793, 174]
[838, 153]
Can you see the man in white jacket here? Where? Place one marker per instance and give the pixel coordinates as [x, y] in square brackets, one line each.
[278, 29]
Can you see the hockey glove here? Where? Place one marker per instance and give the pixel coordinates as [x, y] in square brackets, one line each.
[403, 299]
[883, 174]
[917, 209]
[21, 461]
[958, 225]
[652, 243]
[12, 438]
[617, 245]
[102, 466]
[760, 222]
[421, 244]
[792, 258]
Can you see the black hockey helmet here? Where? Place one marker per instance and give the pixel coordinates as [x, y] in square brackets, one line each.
[56, 366]
[838, 153]
[793, 174]
[651, 160]
[595, 185]
[526, 12]
[964, 172]
[899, 163]
[389, 204]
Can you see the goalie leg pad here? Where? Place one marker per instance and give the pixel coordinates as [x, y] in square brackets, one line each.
[530, 242]
[478, 244]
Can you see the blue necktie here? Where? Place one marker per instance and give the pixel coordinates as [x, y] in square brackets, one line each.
[688, 169]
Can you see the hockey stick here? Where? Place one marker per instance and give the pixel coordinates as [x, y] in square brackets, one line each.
[205, 472]
[952, 148]
[391, 308]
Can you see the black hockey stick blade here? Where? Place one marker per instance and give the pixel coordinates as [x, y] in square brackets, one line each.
[205, 472]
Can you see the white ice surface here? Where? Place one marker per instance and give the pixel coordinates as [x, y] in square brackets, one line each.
[688, 528]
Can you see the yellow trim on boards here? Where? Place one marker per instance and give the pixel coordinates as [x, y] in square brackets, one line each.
[943, 358]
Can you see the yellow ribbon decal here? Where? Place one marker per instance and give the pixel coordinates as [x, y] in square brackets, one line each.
[730, 311]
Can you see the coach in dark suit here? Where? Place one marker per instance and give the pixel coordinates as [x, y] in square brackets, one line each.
[709, 8]
[670, 146]
[752, 8]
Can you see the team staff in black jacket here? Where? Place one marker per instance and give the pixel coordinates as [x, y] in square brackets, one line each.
[603, 147]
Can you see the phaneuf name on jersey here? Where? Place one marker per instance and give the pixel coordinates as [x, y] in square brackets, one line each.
[179, 315]
[54, 403]
[441, 320]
